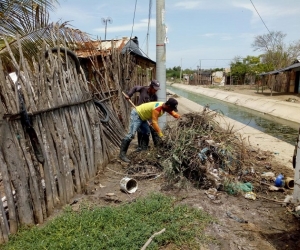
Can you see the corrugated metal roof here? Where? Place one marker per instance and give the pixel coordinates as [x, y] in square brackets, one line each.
[293, 66]
[96, 48]
[104, 48]
[131, 46]
[270, 73]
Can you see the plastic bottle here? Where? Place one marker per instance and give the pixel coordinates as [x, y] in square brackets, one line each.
[279, 181]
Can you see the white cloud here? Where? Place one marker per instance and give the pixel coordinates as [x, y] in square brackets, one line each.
[200, 4]
[188, 4]
[226, 37]
[210, 34]
[73, 13]
[269, 11]
[220, 36]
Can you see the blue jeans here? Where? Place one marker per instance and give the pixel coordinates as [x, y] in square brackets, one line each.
[136, 124]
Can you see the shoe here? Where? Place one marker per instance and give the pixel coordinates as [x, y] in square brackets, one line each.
[123, 150]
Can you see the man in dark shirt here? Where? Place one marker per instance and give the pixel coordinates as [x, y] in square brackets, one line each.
[147, 94]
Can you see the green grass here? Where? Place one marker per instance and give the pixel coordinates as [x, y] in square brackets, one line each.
[124, 227]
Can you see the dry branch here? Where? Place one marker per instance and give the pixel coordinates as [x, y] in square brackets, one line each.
[151, 238]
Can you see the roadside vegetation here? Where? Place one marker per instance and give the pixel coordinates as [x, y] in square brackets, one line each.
[127, 226]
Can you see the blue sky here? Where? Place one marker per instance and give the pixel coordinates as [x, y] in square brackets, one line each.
[206, 33]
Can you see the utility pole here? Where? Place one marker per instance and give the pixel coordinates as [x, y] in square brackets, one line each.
[197, 79]
[200, 72]
[180, 76]
[161, 55]
[105, 21]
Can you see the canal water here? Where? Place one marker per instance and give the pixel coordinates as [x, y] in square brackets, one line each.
[282, 129]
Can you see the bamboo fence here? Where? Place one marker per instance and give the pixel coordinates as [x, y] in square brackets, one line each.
[58, 132]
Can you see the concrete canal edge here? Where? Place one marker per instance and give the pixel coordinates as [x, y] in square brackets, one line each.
[281, 109]
[282, 151]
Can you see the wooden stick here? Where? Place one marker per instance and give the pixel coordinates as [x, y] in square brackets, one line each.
[127, 97]
[258, 196]
[13, 221]
[115, 171]
[151, 238]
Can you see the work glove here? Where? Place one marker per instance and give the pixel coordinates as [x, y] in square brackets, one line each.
[161, 140]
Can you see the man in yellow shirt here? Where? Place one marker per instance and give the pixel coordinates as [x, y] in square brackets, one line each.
[146, 94]
[139, 120]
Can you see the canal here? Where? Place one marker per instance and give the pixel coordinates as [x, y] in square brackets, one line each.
[282, 129]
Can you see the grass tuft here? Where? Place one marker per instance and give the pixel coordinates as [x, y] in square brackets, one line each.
[124, 227]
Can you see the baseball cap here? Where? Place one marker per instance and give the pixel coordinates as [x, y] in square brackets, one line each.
[172, 103]
[155, 84]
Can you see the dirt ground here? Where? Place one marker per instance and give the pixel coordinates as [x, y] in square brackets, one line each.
[264, 223]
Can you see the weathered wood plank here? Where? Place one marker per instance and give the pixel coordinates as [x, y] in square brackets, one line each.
[94, 120]
[86, 130]
[13, 221]
[19, 177]
[79, 141]
[74, 154]
[54, 177]
[49, 181]
[4, 229]
[33, 178]
[66, 157]
[62, 155]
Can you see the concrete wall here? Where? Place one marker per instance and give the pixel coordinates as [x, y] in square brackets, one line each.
[218, 78]
[282, 109]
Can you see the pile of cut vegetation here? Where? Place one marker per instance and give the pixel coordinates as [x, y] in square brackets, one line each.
[197, 149]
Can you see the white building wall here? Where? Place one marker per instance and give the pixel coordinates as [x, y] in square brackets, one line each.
[218, 78]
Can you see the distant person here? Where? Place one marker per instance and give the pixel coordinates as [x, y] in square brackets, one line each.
[139, 118]
[147, 94]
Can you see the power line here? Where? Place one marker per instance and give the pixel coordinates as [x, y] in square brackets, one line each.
[133, 18]
[149, 18]
[260, 16]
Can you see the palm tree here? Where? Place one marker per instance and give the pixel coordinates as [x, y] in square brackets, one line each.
[25, 24]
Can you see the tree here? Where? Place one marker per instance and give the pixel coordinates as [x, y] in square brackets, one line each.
[249, 66]
[173, 72]
[294, 50]
[188, 71]
[275, 52]
[28, 22]
[238, 70]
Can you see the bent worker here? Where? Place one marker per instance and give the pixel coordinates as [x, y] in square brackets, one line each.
[147, 94]
[139, 120]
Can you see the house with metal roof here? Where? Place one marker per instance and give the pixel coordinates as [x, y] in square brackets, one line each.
[285, 80]
[92, 54]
